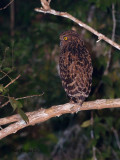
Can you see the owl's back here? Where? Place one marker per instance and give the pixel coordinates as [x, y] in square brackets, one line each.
[75, 67]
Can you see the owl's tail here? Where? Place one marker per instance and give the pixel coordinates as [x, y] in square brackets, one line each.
[77, 100]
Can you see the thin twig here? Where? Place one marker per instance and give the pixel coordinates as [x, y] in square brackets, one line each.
[12, 19]
[113, 39]
[116, 137]
[110, 50]
[12, 81]
[5, 74]
[37, 95]
[7, 5]
[92, 136]
[89, 18]
[1, 106]
[114, 21]
[4, 56]
[115, 154]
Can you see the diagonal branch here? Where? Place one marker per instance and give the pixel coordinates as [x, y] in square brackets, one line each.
[12, 81]
[80, 23]
[7, 5]
[42, 115]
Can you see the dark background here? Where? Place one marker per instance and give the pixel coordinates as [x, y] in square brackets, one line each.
[29, 46]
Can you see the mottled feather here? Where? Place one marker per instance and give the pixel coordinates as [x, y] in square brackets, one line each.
[75, 67]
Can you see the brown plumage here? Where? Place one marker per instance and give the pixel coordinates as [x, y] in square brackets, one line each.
[75, 67]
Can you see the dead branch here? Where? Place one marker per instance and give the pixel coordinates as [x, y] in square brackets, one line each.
[42, 115]
[80, 23]
[5, 74]
[7, 5]
[36, 95]
[12, 81]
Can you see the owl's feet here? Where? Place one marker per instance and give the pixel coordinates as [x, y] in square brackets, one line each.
[76, 107]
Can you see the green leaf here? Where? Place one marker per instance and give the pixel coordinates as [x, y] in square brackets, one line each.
[17, 106]
[1, 88]
[86, 124]
[13, 103]
[6, 90]
[23, 115]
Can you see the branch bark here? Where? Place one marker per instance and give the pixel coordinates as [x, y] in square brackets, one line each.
[42, 115]
[7, 5]
[80, 23]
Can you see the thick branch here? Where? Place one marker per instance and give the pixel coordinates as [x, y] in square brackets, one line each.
[55, 111]
[80, 23]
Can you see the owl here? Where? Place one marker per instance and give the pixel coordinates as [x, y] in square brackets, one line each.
[75, 67]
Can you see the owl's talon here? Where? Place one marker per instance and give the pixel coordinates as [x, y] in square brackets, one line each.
[76, 108]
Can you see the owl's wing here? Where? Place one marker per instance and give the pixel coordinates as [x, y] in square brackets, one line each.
[76, 75]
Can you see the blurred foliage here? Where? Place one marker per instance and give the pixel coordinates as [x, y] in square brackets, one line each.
[33, 52]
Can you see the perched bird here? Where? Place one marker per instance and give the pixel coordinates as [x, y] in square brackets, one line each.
[75, 67]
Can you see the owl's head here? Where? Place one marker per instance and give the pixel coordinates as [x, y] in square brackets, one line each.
[68, 37]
